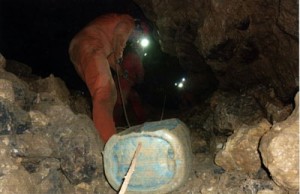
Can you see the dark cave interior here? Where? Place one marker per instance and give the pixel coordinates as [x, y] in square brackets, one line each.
[38, 33]
[240, 101]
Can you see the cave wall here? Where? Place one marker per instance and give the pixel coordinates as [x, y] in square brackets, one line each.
[238, 43]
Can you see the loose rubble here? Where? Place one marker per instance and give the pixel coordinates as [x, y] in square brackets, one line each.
[48, 143]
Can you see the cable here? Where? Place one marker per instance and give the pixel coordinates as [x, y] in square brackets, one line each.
[163, 108]
[122, 97]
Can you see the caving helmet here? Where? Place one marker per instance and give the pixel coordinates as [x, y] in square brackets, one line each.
[140, 35]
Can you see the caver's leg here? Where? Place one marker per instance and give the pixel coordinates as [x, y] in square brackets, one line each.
[101, 85]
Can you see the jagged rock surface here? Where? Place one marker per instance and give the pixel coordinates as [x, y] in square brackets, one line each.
[232, 110]
[243, 43]
[280, 150]
[240, 152]
[2, 62]
[45, 147]
[68, 156]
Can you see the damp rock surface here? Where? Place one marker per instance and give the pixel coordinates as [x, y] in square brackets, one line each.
[244, 53]
[232, 110]
[240, 152]
[280, 150]
[49, 143]
[45, 147]
[240, 44]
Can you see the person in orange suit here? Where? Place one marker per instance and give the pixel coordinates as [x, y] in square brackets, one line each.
[93, 51]
[133, 74]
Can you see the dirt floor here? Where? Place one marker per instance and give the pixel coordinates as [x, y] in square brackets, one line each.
[205, 176]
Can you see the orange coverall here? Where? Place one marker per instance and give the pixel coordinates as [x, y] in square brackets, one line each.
[95, 49]
[135, 74]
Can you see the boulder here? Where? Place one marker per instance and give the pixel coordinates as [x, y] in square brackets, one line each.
[7, 90]
[279, 149]
[50, 179]
[240, 152]
[13, 119]
[21, 96]
[80, 140]
[54, 86]
[238, 43]
[14, 179]
[44, 146]
[2, 62]
[232, 110]
[18, 68]
[275, 109]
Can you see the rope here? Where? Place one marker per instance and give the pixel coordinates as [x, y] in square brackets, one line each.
[122, 97]
[163, 108]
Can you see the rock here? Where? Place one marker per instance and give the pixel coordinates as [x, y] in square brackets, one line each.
[58, 113]
[79, 139]
[13, 119]
[71, 134]
[8, 164]
[232, 110]
[2, 62]
[196, 116]
[275, 109]
[69, 138]
[240, 44]
[18, 68]
[279, 149]
[241, 150]
[23, 71]
[268, 191]
[18, 182]
[277, 112]
[50, 179]
[79, 103]
[14, 179]
[59, 149]
[54, 86]
[23, 97]
[200, 141]
[234, 34]
[96, 186]
[38, 119]
[237, 183]
[33, 145]
[6, 90]
[286, 20]
[217, 143]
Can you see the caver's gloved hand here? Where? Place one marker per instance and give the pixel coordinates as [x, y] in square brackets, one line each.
[95, 49]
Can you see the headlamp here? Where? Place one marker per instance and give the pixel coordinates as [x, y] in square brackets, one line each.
[180, 84]
[144, 42]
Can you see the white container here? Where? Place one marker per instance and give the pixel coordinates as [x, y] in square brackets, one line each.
[163, 163]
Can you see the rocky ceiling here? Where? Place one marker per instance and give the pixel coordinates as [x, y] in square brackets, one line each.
[232, 45]
[243, 142]
[238, 43]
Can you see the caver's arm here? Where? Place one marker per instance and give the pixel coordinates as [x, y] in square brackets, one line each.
[120, 37]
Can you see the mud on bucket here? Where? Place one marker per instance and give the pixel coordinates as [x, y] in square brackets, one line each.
[163, 163]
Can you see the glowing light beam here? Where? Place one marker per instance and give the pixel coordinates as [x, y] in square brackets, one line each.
[144, 42]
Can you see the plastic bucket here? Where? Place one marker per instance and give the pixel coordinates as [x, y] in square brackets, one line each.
[163, 163]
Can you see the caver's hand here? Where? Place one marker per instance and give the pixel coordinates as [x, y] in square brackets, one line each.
[124, 74]
[118, 54]
[113, 62]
